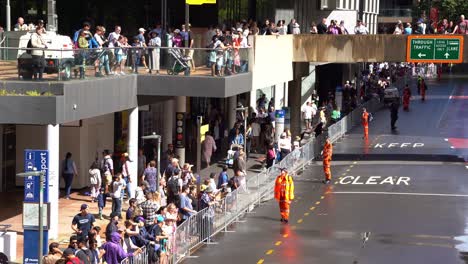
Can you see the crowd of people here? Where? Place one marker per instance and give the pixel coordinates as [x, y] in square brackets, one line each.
[424, 26]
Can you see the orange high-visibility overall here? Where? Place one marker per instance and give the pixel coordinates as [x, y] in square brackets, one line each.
[406, 98]
[327, 155]
[365, 124]
[284, 193]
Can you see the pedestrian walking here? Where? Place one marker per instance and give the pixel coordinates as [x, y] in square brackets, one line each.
[422, 87]
[365, 122]
[394, 114]
[284, 193]
[208, 147]
[68, 172]
[406, 98]
[327, 156]
[95, 180]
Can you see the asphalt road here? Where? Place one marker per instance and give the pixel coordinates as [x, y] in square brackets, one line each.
[395, 209]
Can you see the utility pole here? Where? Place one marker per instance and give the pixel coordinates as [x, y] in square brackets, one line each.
[8, 16]
[52, 18]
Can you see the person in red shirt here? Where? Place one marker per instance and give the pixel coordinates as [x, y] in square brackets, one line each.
[70, 257]
[406, 98]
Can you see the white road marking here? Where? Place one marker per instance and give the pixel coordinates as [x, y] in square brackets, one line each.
[410, 194]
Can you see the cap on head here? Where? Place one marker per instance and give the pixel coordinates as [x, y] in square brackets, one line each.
[68, 252]
[160, 219]
[141, 30]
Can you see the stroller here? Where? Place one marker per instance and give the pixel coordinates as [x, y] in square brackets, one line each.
[180, 63]
[231, 153]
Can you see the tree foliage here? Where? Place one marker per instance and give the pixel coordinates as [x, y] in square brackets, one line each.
[449, 9]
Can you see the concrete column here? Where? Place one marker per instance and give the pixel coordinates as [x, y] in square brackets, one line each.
[168, 130]
[253, 99]
[181, 107]
[279, 96]
[133, 149]
[232, 104]
[53, 136]
[294, 96]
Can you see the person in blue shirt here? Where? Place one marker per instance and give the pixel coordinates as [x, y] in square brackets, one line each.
[223, 178]
[238, 138]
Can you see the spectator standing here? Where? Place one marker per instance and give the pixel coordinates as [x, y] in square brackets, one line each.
[141, 163]
[83, 222]
[113, 43]
[20, 25]
[223, 178]
[149, 209]
[193, 197]
[207, 201]
[68, 172]
[114, 252]
[54, 254]
[107, 167]
[360, 28]
[95, 181]
[270, 156]
[83, 253]
[313, 28]
[137, 53]
[101, 201]
[398, 28]
[38, 60]
[70, 258]
[96, 254]
[117, 186]
[174, 187]
[342, 28]
[151, 175]
[129, 189]
[155, 52]
[103, 59]
[142, 41]
[408, 30]
[308, 113]
[322, 27]
[208, 147]
[284, 145]
[462, 27]
[282, 30]
[186, 208]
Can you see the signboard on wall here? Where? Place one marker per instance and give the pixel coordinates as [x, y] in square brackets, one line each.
[435, 49]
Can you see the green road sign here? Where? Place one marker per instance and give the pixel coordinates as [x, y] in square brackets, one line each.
[439, 49]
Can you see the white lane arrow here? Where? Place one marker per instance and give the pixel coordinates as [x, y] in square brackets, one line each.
[421, 55]
[446, 55]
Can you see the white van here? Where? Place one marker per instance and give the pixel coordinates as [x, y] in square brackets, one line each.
[59, 55]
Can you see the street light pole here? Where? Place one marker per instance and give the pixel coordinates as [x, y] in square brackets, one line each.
[158, 138]
[41, 175]
[8, 16]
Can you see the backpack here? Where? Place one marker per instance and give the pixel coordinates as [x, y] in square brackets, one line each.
[173, 185]
[29, 46]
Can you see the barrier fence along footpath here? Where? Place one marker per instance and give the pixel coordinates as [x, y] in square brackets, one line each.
[200, 227]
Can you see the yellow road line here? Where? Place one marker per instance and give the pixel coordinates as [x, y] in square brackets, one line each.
[321, 197]
[278, 243]
[312, 208]
[285, 235]
[355, 162]
[317, 202]
[336, 182]
[300, 221]
[306, 214]
[269, 252]
[260, 261]
[344, 174]
[351, 166]
[348, 170]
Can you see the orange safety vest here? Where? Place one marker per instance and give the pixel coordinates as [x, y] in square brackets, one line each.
[284, 188]
[365, 119]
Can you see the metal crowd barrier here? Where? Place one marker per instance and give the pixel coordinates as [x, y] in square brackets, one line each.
[201, 227]
[141, 258]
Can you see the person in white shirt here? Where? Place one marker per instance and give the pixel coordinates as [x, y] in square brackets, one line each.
[361, 29]
[256, 130]
[154, 44]
[308, 114]
[113, 42]
[284, 144]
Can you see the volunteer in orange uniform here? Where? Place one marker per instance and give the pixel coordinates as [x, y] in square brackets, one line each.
[365, 123]
[327, 156]
[284, 193]
[422, 89]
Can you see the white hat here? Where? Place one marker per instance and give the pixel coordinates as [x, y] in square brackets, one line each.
[239, 30]
[177, 31]
[141, 30]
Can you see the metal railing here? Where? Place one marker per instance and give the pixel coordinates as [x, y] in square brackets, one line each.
[72, 63]
[202, 226]
[141, 258]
